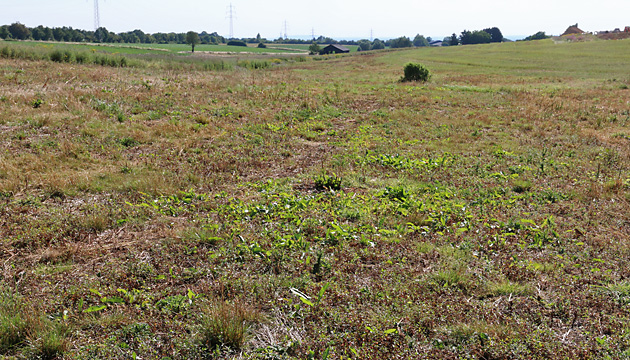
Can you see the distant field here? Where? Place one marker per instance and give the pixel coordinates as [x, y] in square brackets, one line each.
[135, 49]
[161, 206]
[103, 48]
[151, 48]
[213, 48]
[304, 47]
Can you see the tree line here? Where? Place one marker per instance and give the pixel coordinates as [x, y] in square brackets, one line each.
[19, 31]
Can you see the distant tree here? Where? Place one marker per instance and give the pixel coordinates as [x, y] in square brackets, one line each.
[4, 32]
[365, 45]
[101, 34]
[325, 40]
[76, 36]
[446, 41]
[38, 33]
[378, 44]
[314, 49]
[144, 38]
[262, 45]
[49, 34]
[495, 34]
[475, 37]
[401, 42]
[19, 31]
[420, 41]
[454, 40]
[192, 38]
[130, 38]
[258, 38]
[537, 36]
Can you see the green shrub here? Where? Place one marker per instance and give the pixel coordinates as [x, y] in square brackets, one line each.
[81, 58]
[416, 72]
[254, 64]
[56, 56]
[325, 182]
[262, 46]
[236, 43]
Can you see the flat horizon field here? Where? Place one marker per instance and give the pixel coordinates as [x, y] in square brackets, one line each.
[316, 207]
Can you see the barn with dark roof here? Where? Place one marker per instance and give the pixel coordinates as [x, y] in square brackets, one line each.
[334, 49]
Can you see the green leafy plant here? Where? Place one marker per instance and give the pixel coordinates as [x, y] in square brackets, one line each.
[37, 103]
[328, 182]
[415, 72]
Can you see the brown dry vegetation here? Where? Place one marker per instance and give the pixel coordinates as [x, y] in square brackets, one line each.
[482, 215]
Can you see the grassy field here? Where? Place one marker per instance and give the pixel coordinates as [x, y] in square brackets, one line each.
[135, 49]
[179, 48]
[319, 209]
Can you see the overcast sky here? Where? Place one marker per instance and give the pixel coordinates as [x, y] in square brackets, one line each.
[334, 18]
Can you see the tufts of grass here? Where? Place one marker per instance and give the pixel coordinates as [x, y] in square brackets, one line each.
[225, 325]
[51, 342]
[201, 236]
[521, 186]
[505, 287]
[14, 326]
[42, 338]
[619, 291]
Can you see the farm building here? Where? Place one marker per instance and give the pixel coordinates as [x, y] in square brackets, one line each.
[436, 43]
[334, 49]
[573, 30]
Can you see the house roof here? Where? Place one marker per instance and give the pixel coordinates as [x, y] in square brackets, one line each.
[573, 30]
[339, 47]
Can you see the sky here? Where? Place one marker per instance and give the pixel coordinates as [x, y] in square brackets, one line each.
[347, 19]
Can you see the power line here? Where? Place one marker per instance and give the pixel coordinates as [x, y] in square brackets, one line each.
[231, 16]
[97, 16]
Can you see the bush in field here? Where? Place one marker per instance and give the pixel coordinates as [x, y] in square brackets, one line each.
[236, 43]
[56, 56]
[314, 49]
[262, 46]
[81, 58]
[415, 72]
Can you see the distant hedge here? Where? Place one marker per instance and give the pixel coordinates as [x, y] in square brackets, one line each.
[236, 43]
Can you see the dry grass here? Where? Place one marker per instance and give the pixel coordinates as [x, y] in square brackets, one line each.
[481, 215]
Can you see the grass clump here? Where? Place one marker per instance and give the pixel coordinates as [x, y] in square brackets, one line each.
[14, 325]
[51, 341]
[41, 338]
[521, 186]
[506, 287]
[415, 72]
[225, 325]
